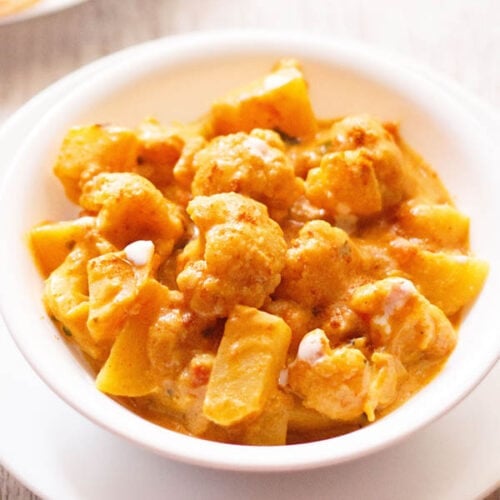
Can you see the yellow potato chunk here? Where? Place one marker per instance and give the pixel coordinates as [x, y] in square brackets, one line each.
[89, 150]
[249, 359]
[449, 281]
[332, 382]
[184, 169]
[387, 373]
[321, 264]
[159, 150]
[357, 132]
[278, 101]
[303, 420]
[52, 242]
[114, 284]
[441, 226]
[247, 164]
[243, 255]
[403, 321]
[128, 370]
[129, 208]
[65, 296]
[345, 184]
[270, 427]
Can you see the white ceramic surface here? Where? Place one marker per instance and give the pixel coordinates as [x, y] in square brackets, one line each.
[41, 8]
[344, 79]
[60, 455]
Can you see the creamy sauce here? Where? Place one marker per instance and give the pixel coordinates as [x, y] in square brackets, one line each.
[312, 347]
[139, 252]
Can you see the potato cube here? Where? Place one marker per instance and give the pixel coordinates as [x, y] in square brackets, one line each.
[449, 281]
[114, 285]
[306, 424]
[89, 150]
[307, 420]
[249, 359]
[387, 373]
[270, 427]
[128, 370]
[65, 296]
[278, 101]
[52, 242]
[440, 225]
[130, 208]
[159, 150]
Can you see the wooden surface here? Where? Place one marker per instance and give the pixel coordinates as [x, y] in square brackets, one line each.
[458, 38]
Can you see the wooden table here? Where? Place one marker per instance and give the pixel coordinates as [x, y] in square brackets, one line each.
[458, 38]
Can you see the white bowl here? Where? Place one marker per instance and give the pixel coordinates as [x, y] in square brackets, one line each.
[176, 79]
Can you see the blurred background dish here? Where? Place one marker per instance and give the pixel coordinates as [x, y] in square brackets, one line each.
[9, 7]
[13, 11]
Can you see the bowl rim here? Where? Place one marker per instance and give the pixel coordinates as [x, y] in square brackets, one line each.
[186, 448]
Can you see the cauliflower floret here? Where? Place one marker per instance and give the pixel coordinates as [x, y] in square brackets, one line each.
[243, 254]
[333, 382]
[403, 321]
[340, 322]
[176, 333]
[130, 208]
[362, 131]
[342, 383]
[320, 265]
[251, 164]
[345, 184]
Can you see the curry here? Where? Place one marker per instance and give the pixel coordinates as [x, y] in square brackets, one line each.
[258, 276]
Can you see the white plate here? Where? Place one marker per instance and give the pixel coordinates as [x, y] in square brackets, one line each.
[59, 454]
[40, 8]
